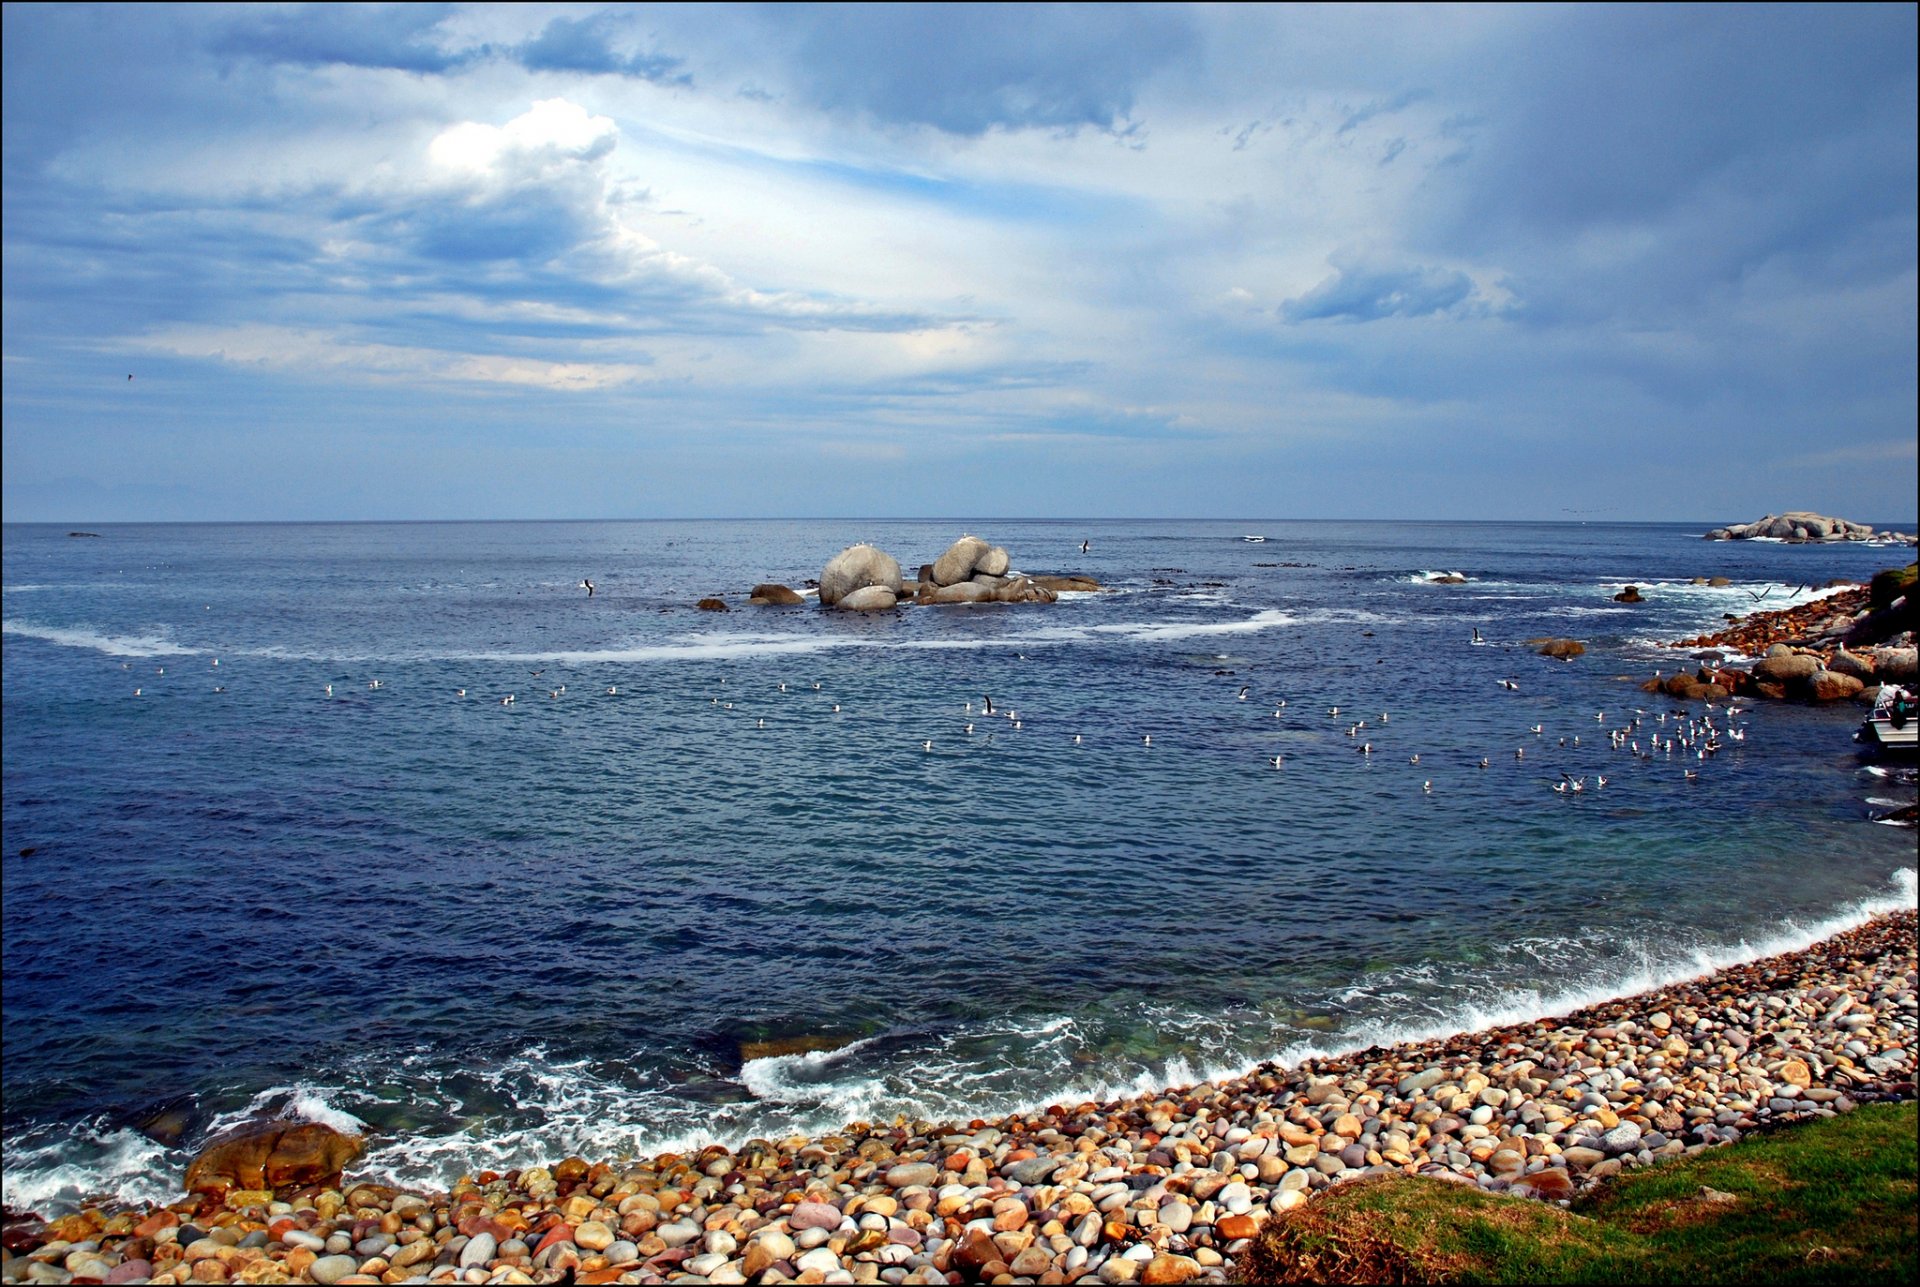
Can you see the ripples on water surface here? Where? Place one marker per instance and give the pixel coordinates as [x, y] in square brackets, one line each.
[498, 934]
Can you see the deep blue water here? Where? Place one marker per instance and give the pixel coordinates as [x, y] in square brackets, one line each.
[496, 934]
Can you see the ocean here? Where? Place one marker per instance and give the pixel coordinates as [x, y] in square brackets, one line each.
[717, 876]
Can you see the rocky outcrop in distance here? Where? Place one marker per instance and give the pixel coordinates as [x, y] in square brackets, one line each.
[863, 578]
[1804, 525]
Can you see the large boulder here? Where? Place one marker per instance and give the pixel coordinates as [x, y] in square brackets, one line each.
[1629, 595]
[769, 593]
[273, 1155]
[957, 564]
[1064, 584]
[1786, 669]
[1564, 649]
[855, 568]
[868, 598]
[1896, 665]
[1829, 686]
[1845, 663]
[994, 562]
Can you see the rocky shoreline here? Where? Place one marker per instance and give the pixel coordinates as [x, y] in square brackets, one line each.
[1838, 647]
[1158, 1189]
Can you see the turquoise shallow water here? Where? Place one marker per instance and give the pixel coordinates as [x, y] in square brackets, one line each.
[495, 934]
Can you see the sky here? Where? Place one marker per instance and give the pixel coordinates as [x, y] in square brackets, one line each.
[609, 261]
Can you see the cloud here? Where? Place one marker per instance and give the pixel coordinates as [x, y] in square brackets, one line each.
[313, 354]
[586, 45]
[1367, 294]
[396, 37]
[968, 69]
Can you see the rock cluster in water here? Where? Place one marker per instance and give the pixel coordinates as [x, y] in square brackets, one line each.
[1157, 1189]
[1835, 648]
[1804, 525]
[863, 578]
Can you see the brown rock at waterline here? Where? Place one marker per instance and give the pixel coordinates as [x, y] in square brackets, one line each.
[771, 594]
[964, 592]
[272, 1155]
[1831, 686]
[1562, 649]
[868, 598]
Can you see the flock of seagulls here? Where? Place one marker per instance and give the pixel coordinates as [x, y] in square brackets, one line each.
[1665, 736]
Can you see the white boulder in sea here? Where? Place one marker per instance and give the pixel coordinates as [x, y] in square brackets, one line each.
[855, 568]
[868, 598]
[960, 560]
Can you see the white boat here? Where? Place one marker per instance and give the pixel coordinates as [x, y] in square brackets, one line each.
[1893, 721]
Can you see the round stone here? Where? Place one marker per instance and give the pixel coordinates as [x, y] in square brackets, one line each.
[331, 1269]
[814, 1215]
[479, 1251]
[909, 1174]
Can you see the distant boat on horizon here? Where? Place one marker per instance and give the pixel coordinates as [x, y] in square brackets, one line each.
[1254, 540]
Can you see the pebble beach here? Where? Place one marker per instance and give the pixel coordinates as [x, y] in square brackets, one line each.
[1156, 1189]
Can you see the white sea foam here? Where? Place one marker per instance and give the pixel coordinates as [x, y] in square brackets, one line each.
[1161, 632]
[66, 1168]
[575, 1107]
[149, 645]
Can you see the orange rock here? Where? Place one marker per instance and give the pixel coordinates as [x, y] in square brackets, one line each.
[1234, 1227]
[1551, 1184]
[154, 1223]
[559, 1233]
[756, 1260]
[272, 1155]
[607, 1275]
[73, 1228]
[569, 1169]
[1163, 1270]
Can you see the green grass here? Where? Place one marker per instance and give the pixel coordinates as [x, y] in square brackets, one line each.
[1833, 1201]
